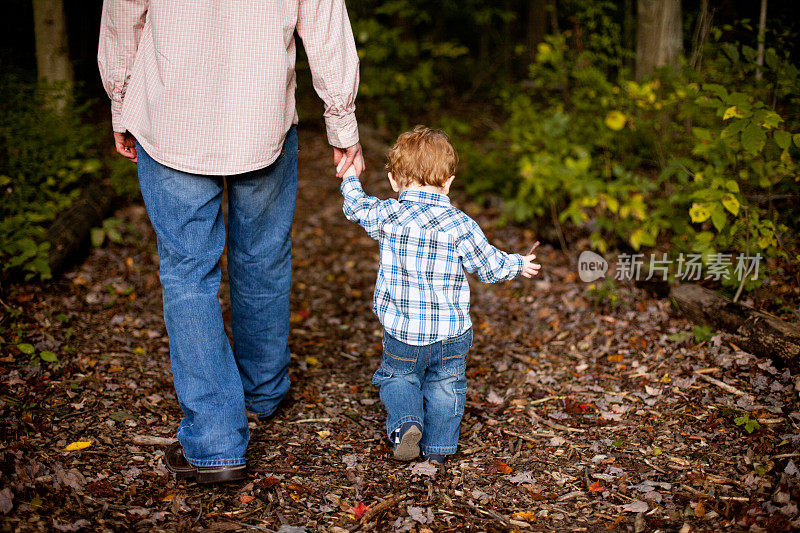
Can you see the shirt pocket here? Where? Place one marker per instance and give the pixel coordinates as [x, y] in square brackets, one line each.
[454, 354]
[398, 357]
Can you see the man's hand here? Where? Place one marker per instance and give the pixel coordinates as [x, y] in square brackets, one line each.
[126, 145]
[529, 268]
[352, 156]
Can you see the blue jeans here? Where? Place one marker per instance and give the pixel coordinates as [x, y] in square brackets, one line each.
[216, 383]
[434, 373]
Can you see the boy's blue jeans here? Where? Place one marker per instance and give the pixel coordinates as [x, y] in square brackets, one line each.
[434, 373]
[214, 382]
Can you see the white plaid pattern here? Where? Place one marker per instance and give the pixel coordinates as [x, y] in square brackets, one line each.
[207, 87]
[426, 244]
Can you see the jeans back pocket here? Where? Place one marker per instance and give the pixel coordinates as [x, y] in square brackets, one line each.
[398, 357]
[454, 354]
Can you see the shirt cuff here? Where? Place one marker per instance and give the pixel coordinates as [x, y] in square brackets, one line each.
[520, 265]
[342, 131]
[350, 183]
[116, 117]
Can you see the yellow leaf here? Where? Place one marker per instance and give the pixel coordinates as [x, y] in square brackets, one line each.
[731, 112]
[78, 445]
[699, 213]
[731, 203]
[139, 350]
[616, 120]
[324, 433]
[525, 515]
[312, 360]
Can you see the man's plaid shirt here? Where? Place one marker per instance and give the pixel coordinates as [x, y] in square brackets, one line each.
[426, 244]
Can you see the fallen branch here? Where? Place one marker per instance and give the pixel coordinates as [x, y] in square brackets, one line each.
[553, 424]
[385, 505]
[69, 233]
[721, 384]
[150, 440]
[758, 333]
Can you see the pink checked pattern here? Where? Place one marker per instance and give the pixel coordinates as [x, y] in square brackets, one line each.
[208, 86]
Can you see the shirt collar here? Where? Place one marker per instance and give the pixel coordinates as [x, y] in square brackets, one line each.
[425, 197]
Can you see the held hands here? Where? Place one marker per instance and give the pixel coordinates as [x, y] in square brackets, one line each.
[126, 145]
[344, 158]
[529, 268]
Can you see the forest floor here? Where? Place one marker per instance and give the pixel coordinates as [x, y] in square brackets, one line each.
[580, 416]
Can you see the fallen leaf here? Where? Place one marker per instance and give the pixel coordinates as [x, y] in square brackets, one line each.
[421, 515]
[26, 348]
[596, 487]
[498, 467]
[359, 510]
[494, 398]
[424, 468]
[525, 515]
[246, 498]
[312, 360]
[522, 477]
[324, 433]
[75, 526]
[6, 500]
[700, 509]
[636, 506]
[78, 445]
[269, 481]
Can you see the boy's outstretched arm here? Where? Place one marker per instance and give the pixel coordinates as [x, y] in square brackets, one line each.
[490, 264]
[358, 207]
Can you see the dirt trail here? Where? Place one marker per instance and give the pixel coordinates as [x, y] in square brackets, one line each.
[579, 417]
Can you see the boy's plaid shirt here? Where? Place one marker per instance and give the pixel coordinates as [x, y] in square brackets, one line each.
[426, 244]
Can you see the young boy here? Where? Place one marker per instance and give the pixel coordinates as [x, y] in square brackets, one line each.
[422, 295]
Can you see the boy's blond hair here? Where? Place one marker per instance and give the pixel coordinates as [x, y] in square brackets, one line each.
[422, 156]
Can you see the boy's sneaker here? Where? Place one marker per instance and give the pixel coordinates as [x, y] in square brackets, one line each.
[434, 458]
[406, 441]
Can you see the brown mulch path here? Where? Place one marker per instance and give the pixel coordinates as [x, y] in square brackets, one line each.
[581, 416]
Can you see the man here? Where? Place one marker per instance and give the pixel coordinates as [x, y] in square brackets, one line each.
[202, 92]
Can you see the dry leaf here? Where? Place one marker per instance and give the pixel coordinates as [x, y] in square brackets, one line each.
[78, 445]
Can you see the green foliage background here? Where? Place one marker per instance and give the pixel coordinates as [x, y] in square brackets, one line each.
[694, 160]
[47, 152]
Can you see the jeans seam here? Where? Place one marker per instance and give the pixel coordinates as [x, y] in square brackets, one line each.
[215, 462]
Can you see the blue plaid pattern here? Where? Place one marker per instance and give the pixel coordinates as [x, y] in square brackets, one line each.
[426, 244]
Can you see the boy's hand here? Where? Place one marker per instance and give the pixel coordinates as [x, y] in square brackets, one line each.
[351, 156]
[351, 171]
[529, 268]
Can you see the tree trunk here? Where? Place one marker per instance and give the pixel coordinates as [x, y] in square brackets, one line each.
[537, 24]
[701, 30]
[756, 332]
[659, 35]
[52, 52]
[762, 26]
[628, 32]
[68, 234]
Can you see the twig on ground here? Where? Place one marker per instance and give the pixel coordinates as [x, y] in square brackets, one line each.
[553, 424]
[721, 384]
[151, 440]
[386, 504]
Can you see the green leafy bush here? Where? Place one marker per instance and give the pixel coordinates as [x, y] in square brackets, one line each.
[688, 160]
[46, 154]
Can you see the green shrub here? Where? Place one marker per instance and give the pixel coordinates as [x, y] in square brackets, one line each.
[688, 159]
[46, 154]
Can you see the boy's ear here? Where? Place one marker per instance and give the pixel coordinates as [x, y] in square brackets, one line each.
[448, 183]
[392, 181]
